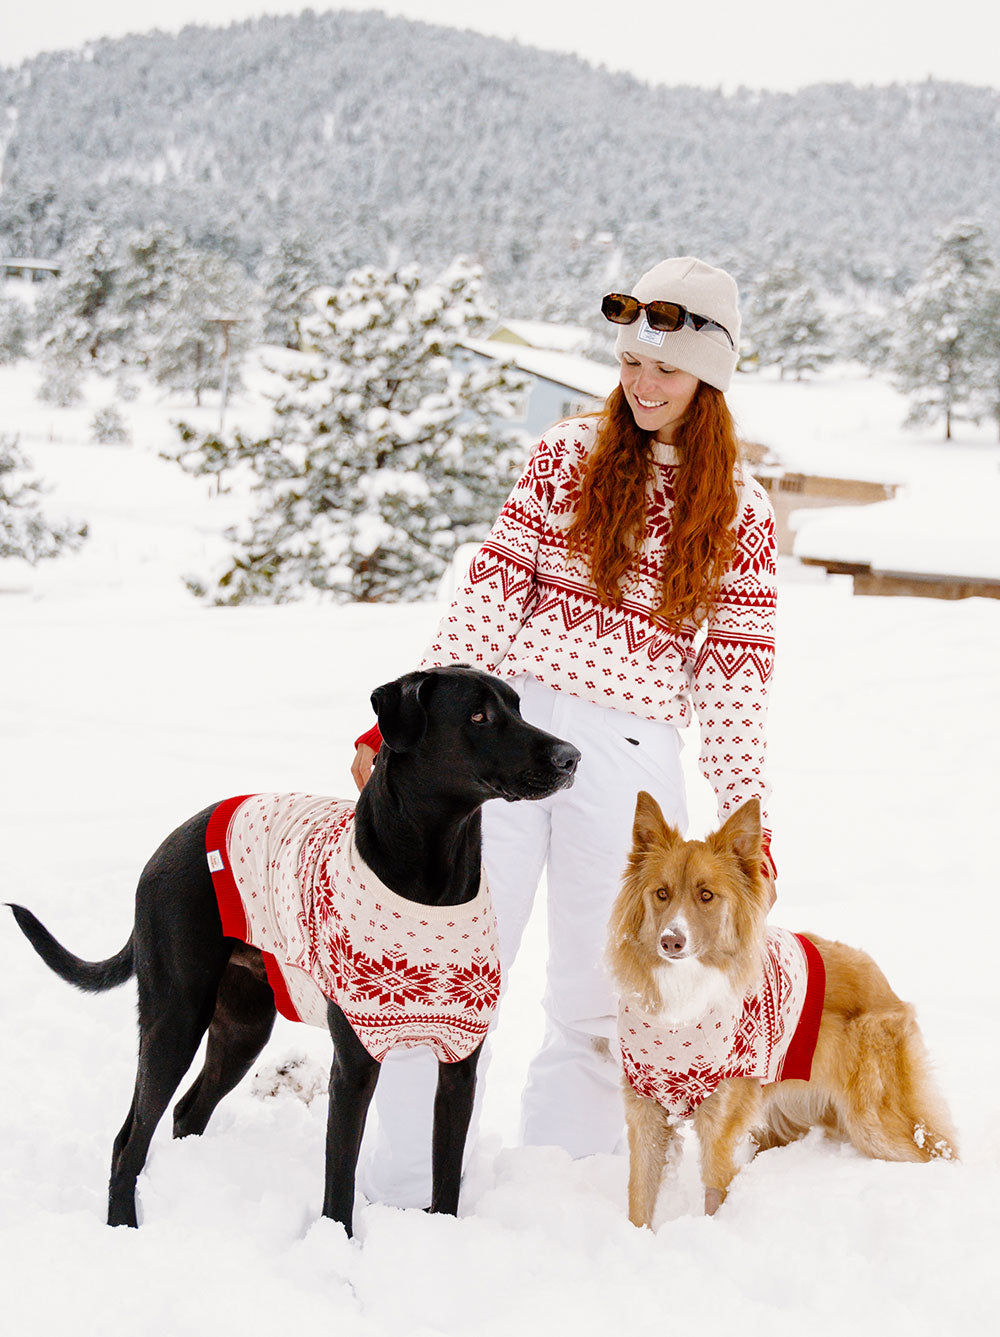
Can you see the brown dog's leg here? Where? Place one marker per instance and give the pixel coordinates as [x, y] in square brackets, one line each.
[723, 1123]
[650, 1138]
[886, 1102]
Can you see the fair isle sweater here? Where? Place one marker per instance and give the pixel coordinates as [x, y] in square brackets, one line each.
[528, 607]
[289, 881]
[769, 1035]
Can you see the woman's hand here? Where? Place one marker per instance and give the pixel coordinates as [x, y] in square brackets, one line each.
[361, 768]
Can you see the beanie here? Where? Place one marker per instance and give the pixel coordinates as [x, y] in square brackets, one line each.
[705, 291]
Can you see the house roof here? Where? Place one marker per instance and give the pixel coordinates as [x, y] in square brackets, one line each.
[576, 373]
[542, 334]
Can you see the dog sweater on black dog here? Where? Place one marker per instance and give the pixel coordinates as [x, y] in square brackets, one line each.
[290, 882]
[770, 1035]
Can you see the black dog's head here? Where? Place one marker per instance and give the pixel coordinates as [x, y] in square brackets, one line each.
[467, 725]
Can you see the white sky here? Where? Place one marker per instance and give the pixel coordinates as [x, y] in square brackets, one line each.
[779, 44]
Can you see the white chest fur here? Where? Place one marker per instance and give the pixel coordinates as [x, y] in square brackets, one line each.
[689, 989]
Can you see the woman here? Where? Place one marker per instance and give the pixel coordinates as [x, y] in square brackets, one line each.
[628, 584]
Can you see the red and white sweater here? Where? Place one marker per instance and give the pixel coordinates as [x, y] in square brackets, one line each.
[289, 881]
[770, 1034]
[528, 607]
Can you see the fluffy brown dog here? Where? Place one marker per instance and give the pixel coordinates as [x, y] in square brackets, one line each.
[726, 1021]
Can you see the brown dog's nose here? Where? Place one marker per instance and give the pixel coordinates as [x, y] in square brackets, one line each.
[672, 944]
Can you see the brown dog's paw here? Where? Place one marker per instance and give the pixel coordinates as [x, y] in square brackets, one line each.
[297, 1075]
[714, 1198]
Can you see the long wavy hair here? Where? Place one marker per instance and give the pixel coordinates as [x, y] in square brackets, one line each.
[610, 519]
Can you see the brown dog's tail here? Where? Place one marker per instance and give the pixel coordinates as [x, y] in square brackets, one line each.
[93, 976]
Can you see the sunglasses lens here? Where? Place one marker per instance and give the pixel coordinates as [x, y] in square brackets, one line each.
[619, 308]
[665, 315]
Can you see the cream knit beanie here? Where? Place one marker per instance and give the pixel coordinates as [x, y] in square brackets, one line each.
[705, 291]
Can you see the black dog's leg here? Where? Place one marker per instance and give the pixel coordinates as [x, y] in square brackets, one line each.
[166, 1049]
[456, 1090]
[241, 1026]
[352, 1084]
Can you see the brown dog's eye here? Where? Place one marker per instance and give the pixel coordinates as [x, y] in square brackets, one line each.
[706, 895]
[662, 894]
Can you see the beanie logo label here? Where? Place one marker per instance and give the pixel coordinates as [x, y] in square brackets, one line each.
[648, 335]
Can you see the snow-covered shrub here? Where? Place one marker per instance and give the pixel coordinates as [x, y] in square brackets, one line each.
[24, 530]
[387, 450]
[61, 383]
[108, 427]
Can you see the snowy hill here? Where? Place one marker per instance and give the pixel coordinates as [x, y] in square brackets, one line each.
[125, 706]
[378, 137]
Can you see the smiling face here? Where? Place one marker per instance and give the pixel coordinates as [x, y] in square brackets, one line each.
[658, 395]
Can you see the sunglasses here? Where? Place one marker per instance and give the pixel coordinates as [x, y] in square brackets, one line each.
[621, 309]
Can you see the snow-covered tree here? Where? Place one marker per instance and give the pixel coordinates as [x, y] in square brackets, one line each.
[14, 326]
[186, 348]
[387, 448]
[986, 394]
[944, 324]
[24, 530]
[785, 323]
[288, 274]
[79, 325]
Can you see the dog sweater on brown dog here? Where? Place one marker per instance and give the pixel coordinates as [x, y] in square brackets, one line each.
[290, 882]
[771, 1035]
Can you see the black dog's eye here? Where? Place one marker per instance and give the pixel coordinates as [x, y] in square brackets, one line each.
[706, 895]
[663, 893]
[479, 717]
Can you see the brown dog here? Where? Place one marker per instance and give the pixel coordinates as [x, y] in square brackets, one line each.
[728, 1022]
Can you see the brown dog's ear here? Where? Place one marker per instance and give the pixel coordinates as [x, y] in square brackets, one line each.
[649, 827]
[401, 710]
[741, 833]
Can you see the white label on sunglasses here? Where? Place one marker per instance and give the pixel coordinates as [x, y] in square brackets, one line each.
[648, 335]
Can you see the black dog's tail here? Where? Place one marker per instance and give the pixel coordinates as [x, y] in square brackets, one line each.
[94, 976]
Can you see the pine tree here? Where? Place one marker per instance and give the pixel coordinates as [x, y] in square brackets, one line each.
[384, 453]
[944, 324]
[185, 349]
[24, 530]
[785, 323]
[986, 395]
[14, 324]
[290, 271]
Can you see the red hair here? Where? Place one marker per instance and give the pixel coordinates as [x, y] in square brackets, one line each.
[611, 516]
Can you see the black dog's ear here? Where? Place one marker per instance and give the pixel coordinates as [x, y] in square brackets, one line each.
[401, 710]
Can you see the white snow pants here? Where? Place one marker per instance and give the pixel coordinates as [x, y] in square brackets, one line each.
[572, 1098]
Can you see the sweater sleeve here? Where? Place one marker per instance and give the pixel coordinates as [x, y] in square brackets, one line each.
[499, 593]
[732, 672]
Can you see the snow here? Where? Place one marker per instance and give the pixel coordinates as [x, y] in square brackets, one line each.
[125, 706]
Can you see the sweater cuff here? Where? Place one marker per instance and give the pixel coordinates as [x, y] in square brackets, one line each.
[372, 739]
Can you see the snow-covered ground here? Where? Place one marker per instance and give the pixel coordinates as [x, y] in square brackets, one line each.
[125, 706]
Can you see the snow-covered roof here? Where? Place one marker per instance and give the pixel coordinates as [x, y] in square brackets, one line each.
[908, 534]
[568, 369]
[544, 334]
[26, 262]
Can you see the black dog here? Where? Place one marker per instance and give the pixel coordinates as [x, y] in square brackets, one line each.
[454, 738]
